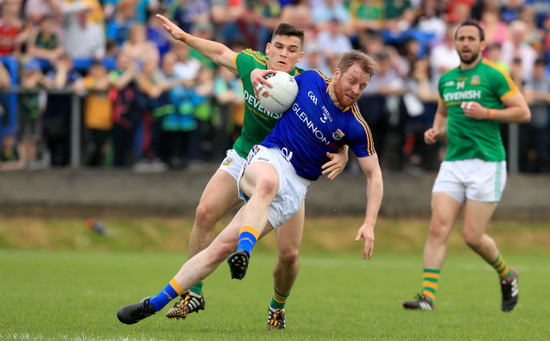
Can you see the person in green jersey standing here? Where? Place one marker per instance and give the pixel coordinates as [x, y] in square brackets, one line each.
[220, 194]
[474, 99]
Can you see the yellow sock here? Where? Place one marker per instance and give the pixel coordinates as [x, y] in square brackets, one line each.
[429, 283]
[500, 266]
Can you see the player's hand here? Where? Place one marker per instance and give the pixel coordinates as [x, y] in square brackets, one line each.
[474, 110]
[260, 84]
[336, 164]
[367, 233]
[432, 135]
[176, 32]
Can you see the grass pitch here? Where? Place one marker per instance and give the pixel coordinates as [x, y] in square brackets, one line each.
[74, 295]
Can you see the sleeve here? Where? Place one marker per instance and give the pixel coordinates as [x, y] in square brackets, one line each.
[247, 60]
[440, 88]
[503, 84]
[360, 137]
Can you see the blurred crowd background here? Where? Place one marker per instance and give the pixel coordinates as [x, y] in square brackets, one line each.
[151, 104]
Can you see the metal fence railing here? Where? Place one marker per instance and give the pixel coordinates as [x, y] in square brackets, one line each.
[76, 121]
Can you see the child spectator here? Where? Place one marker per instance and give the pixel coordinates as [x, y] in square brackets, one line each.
[228, 92]
[44, 41]
[126, 114]
[57, 118]
[201, 146]
[12, 32]
[98, 112]
[150, 86]
[30, 114]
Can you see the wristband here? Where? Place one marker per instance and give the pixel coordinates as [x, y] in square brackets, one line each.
[490, 114]
[184, 37]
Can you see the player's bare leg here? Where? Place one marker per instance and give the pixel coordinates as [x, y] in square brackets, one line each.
[218, 197]
[445, 210]
[205, 262]
[260, 183]
[192, 272]
[285, 272]
[476, 217]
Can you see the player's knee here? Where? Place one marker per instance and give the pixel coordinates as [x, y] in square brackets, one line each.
[471, 239]
[267, 187]
[288, 255]
[221, 251]
[205, 216]
[437, 230]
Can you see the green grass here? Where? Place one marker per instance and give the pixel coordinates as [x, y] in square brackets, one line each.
[74, 295]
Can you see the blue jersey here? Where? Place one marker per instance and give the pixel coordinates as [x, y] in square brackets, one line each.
[314, 126]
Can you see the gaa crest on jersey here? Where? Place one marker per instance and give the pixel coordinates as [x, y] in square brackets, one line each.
[475, 80]
[227, 161]
[338, 134]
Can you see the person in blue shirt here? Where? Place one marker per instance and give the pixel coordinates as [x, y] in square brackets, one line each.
[278, 172]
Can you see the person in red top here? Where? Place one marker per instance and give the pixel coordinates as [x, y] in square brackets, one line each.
[12, 32]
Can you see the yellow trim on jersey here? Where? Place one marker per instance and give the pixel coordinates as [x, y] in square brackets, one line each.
[361, 120]
[509, 94]
[327, 79]
[251, 230]
[235, 62]
[256, 56]
[513, 88]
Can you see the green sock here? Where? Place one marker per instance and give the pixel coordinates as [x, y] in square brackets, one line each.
[278, 300]
[429, 283]
[501, 267]
[197, 288]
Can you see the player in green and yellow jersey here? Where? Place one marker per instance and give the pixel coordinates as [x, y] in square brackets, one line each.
[474, 99]
[220, 194]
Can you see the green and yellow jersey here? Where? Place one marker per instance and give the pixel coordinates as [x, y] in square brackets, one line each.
[258, 122]
[470, 138]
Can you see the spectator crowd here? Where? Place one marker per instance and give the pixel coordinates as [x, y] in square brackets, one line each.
[151, 103]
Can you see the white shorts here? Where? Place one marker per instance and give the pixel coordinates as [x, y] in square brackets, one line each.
[232, 164]
[292, 188]
[473, 179]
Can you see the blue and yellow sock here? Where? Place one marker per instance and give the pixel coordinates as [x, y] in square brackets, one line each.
[430, 278]
[171, 291]
[247, 238]
[502, 269]
[278, 300]
[197, 288]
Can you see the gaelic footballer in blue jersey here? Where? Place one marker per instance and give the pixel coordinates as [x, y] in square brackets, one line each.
[278, 172]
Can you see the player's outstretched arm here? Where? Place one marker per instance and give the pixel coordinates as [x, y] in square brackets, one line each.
[216, 52]
[337, 162]
[375, 190]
